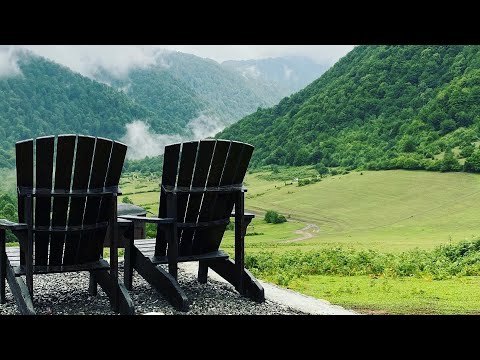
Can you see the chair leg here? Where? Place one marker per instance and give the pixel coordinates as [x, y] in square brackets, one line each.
[118, 295]
[128, 263]
[3, 266]
[202, 272]
[250, 288]
[161, 280]
[92, 286]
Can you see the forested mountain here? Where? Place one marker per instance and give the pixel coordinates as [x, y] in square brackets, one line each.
[182, 87]
[47, 98]
[289, 73]
[379, 107]
[182, 94]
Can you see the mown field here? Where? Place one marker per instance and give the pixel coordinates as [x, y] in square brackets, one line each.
[387, 212]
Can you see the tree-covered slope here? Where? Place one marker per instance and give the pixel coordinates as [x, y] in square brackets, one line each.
[47, 98]
[379, 107]
[182, 87]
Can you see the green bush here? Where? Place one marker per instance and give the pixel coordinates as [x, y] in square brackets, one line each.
[126, 200]
[273, 217]
[445, 261]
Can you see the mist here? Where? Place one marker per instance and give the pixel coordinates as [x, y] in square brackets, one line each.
[204, 126]
[87, 60]
[8, 62]
[143, 142]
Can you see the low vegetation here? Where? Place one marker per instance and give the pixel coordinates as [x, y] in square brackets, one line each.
[273, 217]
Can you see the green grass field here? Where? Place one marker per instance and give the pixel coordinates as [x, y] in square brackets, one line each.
[388, 211]
[395, 295]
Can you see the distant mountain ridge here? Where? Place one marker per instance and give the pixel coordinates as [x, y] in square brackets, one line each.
[181, 96]
[290, 73]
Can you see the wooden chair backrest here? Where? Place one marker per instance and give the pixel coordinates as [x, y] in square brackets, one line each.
[70, 180]
[197, 164]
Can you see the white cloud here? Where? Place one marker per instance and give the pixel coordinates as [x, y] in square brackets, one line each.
[87, 59]
[143, 142]
[251, 72]
[203, 126]
[8, 61]
[287, 72]
[119, 59]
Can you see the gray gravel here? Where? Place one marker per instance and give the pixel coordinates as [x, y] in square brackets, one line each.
[68, 294]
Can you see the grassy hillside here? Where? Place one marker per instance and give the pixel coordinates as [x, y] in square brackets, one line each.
[379, 107]
[385, 210]
[390, 211]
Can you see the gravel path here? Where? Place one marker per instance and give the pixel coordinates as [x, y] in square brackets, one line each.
[68, 294]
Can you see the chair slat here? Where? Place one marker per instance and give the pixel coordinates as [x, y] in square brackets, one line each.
[185, 172]
[169, 175]
[63, 175]
[88, 247]
[223, 204]
[24, 164]
[43, 179]
[112, 178]
[81, 177]
[200, 239]
[116, 164]
[204, 158]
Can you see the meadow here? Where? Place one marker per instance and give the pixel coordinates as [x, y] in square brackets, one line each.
[390, 213]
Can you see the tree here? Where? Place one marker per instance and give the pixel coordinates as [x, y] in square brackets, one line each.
[322, 169]
[449, 162]
[447, 126]
[472, 163]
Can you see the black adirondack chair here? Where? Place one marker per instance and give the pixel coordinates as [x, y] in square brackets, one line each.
[201, 182]
[62, 227]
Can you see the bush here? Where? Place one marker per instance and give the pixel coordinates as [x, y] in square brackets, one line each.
[126, 200]
[272, 217]
[445, 261]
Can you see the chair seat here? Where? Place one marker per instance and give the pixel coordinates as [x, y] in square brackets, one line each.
[13, 254]
[147, 248]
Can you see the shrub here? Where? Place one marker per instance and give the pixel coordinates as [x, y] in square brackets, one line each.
[445, 261]
[274, 217]
[126, 200]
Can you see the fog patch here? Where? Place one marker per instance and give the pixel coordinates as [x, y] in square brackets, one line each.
[142, 142]
[8, 61]
[204, 126]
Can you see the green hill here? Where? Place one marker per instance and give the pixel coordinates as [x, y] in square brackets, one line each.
[183, 87]
[379, 107]
[50, 99]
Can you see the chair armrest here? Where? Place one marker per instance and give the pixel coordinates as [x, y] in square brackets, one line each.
[10, 225]
[145, 219]
[246, 215]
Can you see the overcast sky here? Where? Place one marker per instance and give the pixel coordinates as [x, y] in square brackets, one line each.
[120, 58]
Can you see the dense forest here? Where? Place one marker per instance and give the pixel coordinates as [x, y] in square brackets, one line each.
[51, 99]
[180, 87]
[379, 107]
[180, 94]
